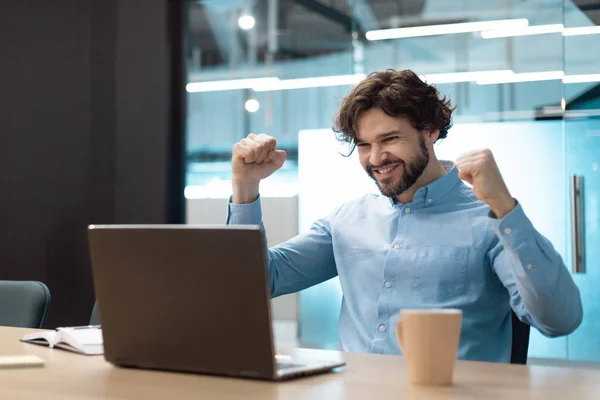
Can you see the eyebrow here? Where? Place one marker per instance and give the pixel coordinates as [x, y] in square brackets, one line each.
[385, 135]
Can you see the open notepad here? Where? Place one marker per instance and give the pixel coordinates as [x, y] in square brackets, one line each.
[83, 340]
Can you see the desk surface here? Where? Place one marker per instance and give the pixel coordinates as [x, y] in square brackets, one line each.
[72, 376]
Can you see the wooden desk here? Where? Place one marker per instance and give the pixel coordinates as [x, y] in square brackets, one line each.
[72, 376]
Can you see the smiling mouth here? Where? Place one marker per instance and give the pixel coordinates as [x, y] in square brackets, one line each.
[385, 172]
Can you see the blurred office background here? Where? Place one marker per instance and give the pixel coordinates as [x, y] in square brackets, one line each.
[525, 75]
[94, 114]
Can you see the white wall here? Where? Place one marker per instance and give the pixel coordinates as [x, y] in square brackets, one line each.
[280, 215]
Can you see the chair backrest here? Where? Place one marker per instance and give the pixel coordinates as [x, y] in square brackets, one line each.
[520, 340]
[24, 304]
[95, 317]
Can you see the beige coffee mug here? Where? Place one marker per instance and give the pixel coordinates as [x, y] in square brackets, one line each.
[429, 340]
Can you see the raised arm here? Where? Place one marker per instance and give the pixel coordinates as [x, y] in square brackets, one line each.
[541, 289]
[298, 263]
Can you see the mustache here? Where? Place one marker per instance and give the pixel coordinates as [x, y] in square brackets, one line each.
[371, 167]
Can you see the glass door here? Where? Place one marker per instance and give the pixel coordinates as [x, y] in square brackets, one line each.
[581, 127]
[582, 134]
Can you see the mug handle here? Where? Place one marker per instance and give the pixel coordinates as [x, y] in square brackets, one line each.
[399, 334]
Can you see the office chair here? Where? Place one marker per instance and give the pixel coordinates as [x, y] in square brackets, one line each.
[520, 340]
[95, 317]
[23, 304]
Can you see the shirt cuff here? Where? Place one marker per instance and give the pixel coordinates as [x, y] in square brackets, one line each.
[514, 227]
[518, 235]
[516, 232]
[244, 214]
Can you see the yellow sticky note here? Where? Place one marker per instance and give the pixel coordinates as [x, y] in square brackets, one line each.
[21, 361]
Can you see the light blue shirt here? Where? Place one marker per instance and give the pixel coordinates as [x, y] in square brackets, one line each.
[444, 249]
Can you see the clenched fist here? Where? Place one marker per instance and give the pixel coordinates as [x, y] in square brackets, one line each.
[480, 170]
[254, 158]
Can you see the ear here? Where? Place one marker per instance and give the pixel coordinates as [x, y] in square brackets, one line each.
[431, 136]
[434, 135]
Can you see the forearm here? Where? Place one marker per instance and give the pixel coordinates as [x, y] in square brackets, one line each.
[548, 295]
[296, 264]
[250, 214]
[244, 192]
[302, 261]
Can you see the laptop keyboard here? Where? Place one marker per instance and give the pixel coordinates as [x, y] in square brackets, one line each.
[286, 365]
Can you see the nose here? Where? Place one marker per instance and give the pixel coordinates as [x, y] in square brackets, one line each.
[377, 156]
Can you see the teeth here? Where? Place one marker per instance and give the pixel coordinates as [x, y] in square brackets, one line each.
[385, 171]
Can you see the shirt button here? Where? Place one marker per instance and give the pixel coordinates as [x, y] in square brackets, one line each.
[429, 201]
[388, 283]
[507, 231]
[529, 266]
[407, 210]
[382, 328]
[397, 246]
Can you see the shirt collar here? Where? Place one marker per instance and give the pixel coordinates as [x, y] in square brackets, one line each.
[437, 189]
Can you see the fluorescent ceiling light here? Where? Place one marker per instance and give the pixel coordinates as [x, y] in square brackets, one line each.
[231, 84]
[522, 77]
[582, 78]
[445, 29]
[471, 76]
[302, 83]
[525, 31]
[489, 77]
[582, 30]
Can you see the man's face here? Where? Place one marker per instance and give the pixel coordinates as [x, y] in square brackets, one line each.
[391, 151]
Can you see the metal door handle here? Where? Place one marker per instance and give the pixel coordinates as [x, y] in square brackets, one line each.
[577, 232]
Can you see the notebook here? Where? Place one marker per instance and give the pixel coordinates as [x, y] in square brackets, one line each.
[83, 340]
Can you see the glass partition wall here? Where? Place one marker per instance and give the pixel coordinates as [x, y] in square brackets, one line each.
[524, 75]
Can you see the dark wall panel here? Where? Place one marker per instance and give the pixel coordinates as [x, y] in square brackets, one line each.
[142, 110]
[45, 140]
[86, 133]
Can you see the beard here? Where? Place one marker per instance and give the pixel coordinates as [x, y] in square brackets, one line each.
[412, 172]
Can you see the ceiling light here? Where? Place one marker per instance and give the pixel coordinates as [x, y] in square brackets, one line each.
[302, 83]
[246, 22]
[252, 105]
[470, 76]
[522, 77]
[489, 77]
[581, 78]
[445, 29]
[524, 31]
[231, 84]
[581, 30]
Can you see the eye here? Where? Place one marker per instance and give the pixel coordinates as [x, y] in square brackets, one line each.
[390, 139]
[362, 144]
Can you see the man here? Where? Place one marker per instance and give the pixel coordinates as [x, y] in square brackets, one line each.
[428, 241]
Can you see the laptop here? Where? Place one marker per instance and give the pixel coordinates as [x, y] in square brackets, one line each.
[190, 299]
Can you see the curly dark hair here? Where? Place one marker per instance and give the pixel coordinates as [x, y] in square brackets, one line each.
[397, 93]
